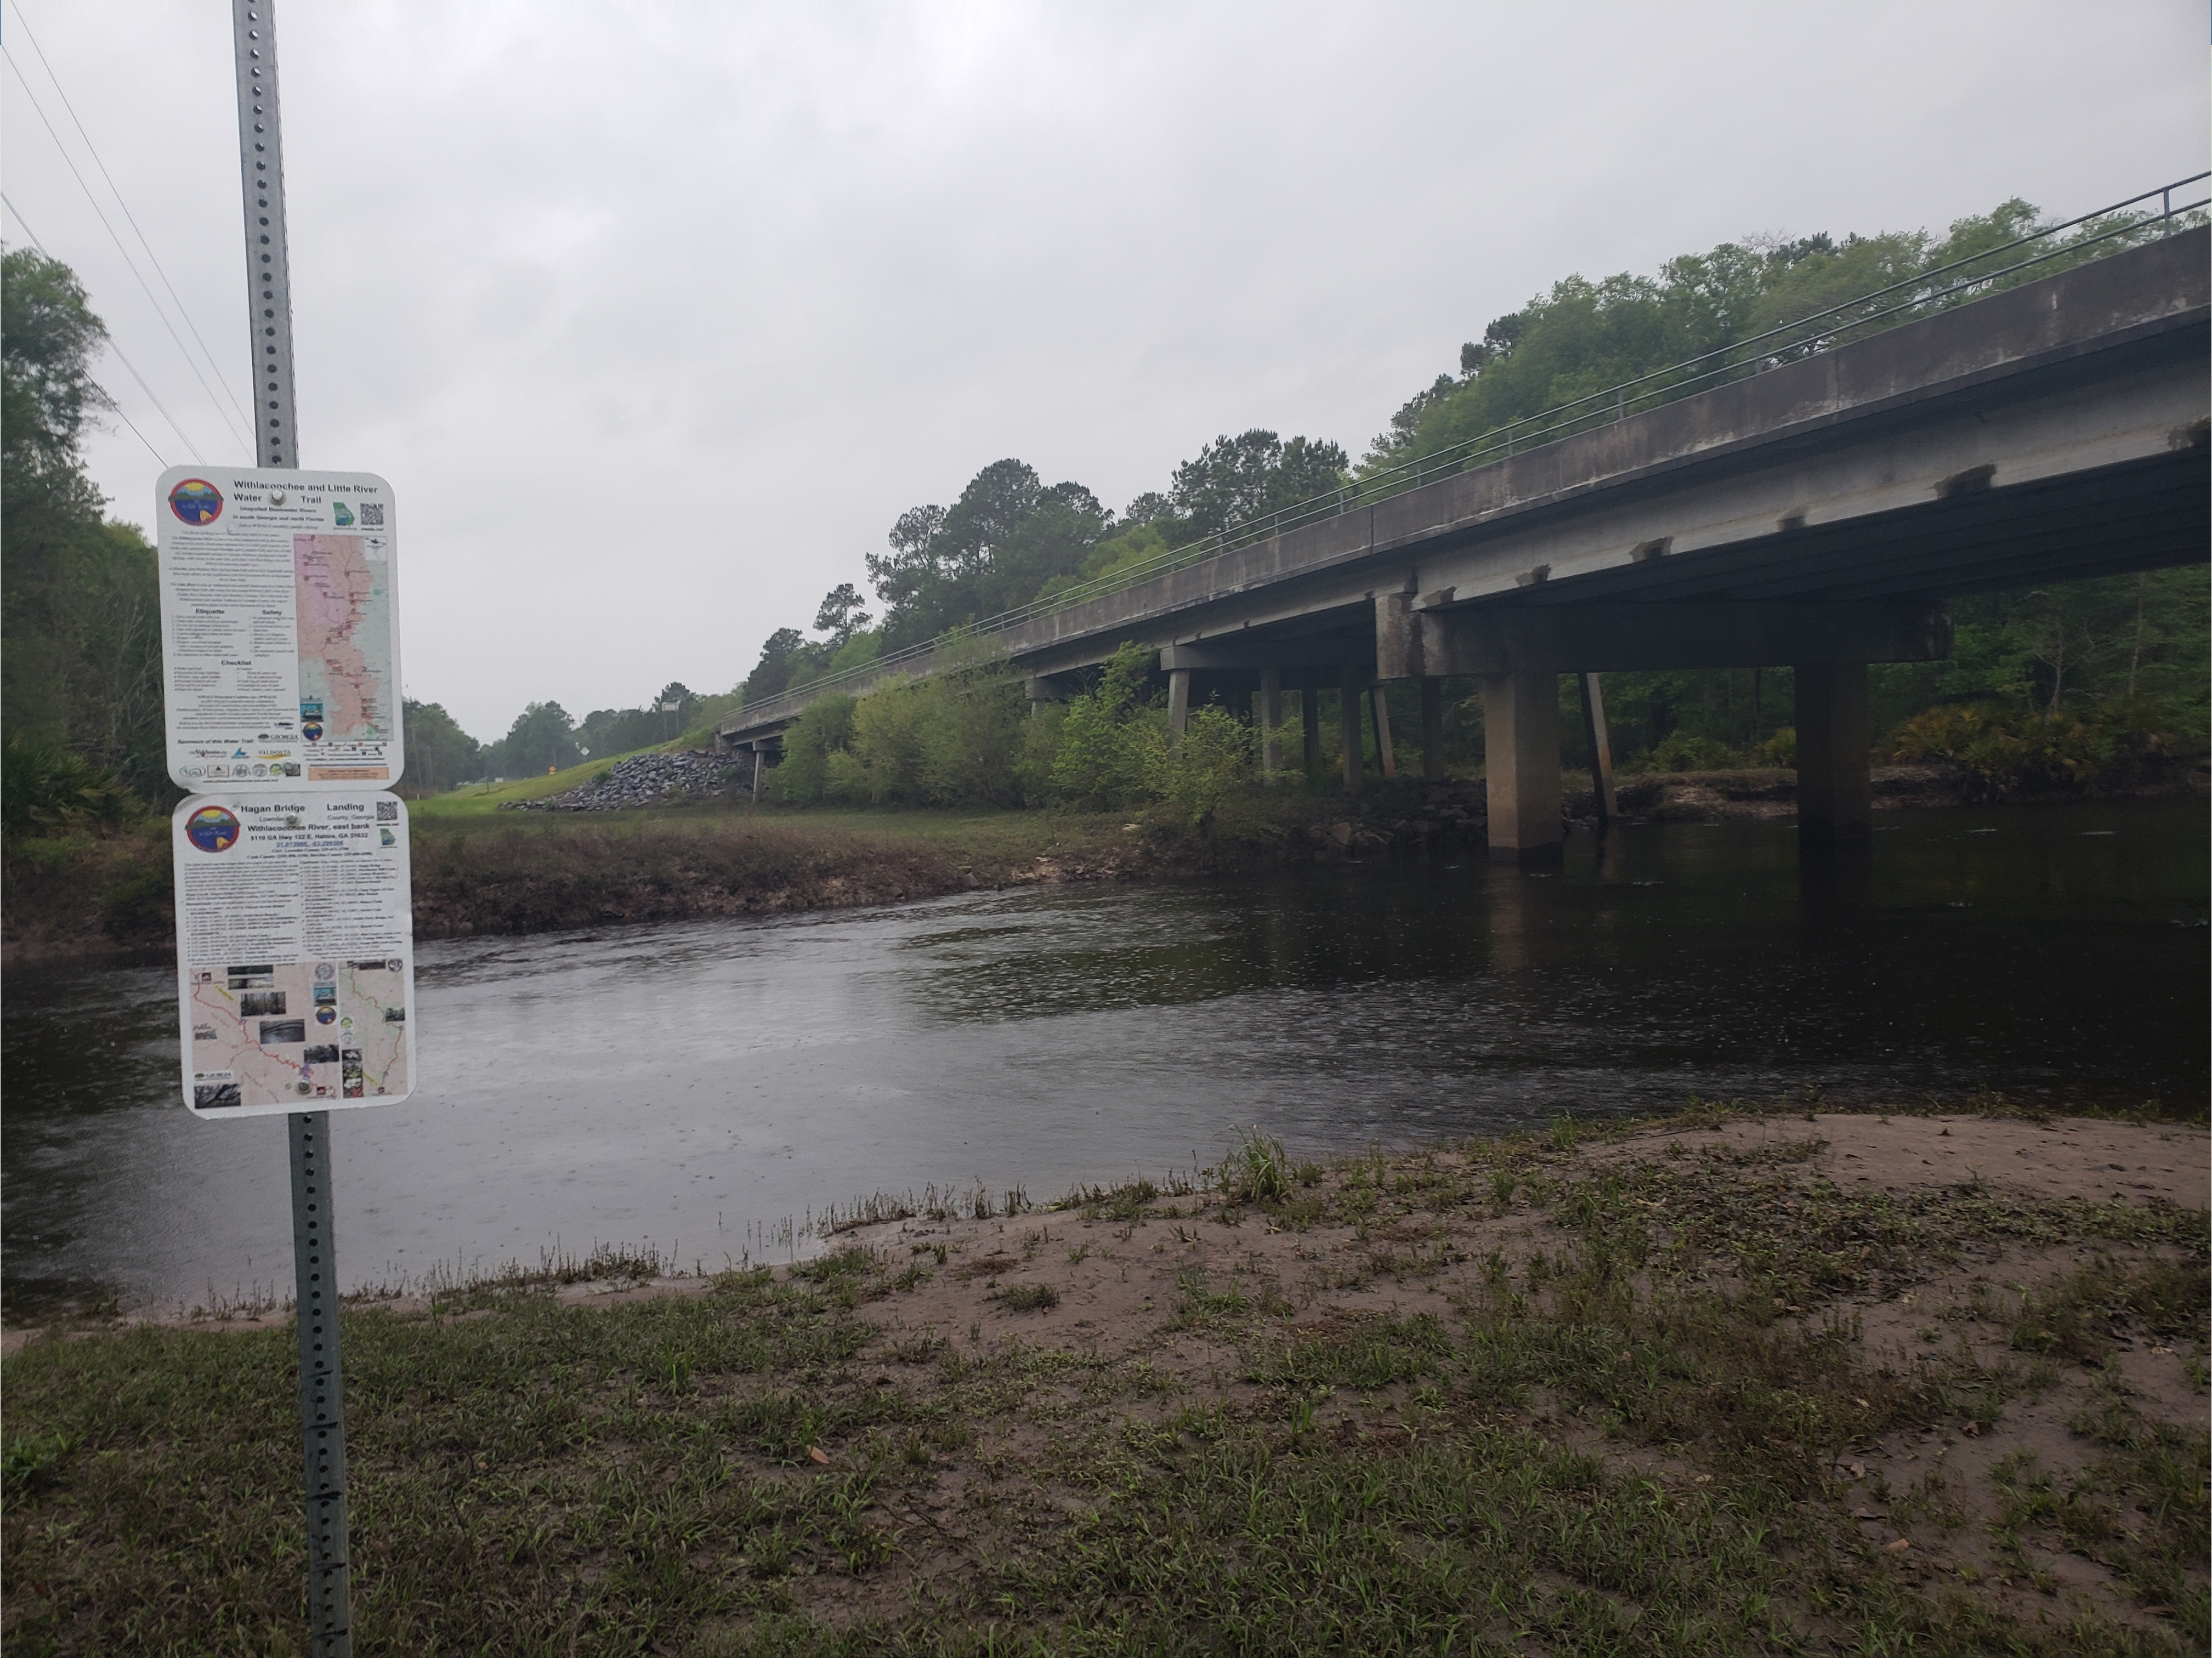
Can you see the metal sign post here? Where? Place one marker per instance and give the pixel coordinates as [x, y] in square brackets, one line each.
[314, 1252]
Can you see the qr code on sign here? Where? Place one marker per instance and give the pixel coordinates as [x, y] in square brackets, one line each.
[372, 514]
[387, 811]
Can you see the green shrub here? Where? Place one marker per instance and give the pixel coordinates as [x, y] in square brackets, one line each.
[1107, 736]
[823, 728]
[44, 785]
[2003, 747]
[1193, 776]
[1680, 750]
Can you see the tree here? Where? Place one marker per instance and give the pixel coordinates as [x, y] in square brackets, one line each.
[542, 738]
[1244, 479]
[1006, 535]
[841, 615]
[80, 631]
[782, 652]
[440, 755]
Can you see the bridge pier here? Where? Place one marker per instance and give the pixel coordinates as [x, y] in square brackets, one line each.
[1521, 761]
[1309, 720]
[1432, 728]
[1271, 721]
[1835, 785]
[1178, 702]
[1347, 709]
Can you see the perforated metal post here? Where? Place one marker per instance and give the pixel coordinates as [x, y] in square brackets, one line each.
[315, 1242]
[322, 1387]
[268, 279]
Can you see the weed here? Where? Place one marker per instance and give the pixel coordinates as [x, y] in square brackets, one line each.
[1030, 1298]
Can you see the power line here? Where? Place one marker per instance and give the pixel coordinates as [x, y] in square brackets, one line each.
[119, 357]
[93, 149]
[109, 227]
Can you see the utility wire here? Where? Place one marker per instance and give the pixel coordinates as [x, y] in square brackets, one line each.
[115, 348]
[93, 149]
[109, 227]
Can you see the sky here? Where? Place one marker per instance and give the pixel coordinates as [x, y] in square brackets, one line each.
[656, 316]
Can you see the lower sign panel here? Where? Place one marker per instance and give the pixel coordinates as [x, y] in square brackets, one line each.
[296, 952]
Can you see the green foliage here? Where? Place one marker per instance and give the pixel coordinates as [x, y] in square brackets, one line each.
[1109, 736]
[1257, 1169]
[1115, 555]
[542, 739]
[1214, 759]
[1005, 537]
[1242, 480]
[46, 787]
[439, 753]
[824, 727]
[79, 626]
[2005, 748]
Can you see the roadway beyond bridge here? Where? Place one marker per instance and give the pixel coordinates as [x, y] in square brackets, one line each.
[1816, 515]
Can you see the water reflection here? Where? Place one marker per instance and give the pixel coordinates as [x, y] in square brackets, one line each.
[672, 1084]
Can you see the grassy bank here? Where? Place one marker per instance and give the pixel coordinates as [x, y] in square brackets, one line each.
[1733, 1384]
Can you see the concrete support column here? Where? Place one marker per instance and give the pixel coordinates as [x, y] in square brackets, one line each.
[756, 775]
[1432, 728]
[1521, 762]
[1178, 702]
[1310, 719]
[1835, 788]
[1601, 747]
[1271, 722]
[1347, 707]
[1386, 750]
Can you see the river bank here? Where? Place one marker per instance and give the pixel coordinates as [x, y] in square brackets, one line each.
[1732, 1382]
[86, 895]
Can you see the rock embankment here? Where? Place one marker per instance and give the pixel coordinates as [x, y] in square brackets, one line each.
[647, 780]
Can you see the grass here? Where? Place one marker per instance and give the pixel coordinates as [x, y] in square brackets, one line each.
[1622, 1434]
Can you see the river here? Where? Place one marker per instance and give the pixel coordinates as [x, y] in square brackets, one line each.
[691, 1086]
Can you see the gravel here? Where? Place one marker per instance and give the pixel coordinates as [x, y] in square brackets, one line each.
[650, 779]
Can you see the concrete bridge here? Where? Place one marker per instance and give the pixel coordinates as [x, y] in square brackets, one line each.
[1816, 515]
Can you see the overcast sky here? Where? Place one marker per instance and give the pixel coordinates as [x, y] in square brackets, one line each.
[656, 316]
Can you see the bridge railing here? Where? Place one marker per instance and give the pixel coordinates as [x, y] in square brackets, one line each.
[2143, 217]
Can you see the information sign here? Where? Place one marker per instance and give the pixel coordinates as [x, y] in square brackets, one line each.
[280, 644]
[296, 952]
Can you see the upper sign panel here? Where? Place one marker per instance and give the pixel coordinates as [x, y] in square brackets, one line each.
[280, 628]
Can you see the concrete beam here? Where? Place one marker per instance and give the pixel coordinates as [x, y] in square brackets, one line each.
[1835, 788]
[1412, 643]
[1315, 652]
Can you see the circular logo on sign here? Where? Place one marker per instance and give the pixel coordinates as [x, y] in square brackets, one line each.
[326, 1015]
[212, 829]
[195, 502]
[311, 732]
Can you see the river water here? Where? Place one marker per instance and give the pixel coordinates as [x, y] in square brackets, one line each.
[687, 1086]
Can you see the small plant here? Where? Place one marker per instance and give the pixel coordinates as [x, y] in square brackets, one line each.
[1030, 1297]
[673, 1368]
[1564, 1133]
[1256, 1169]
